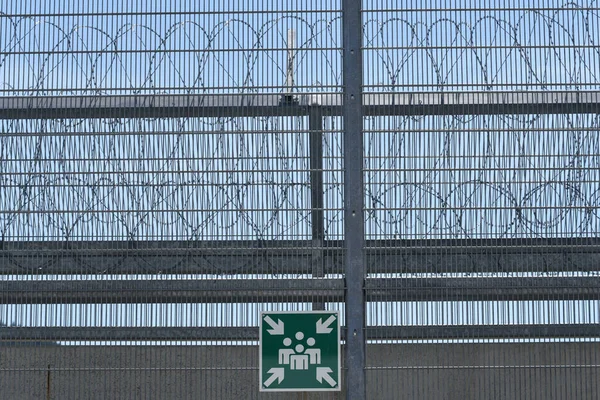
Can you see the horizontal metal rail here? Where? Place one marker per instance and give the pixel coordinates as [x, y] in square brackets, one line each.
[298, 257]
[296, 290]
[171, 291]
[251, 105]
[15, 334]
[483, 289]
[466, 332]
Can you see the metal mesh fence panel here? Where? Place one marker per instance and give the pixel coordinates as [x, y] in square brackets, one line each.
[481, 179]
[169, 171]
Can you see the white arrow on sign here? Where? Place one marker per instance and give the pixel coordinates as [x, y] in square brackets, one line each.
[323, 327]
[323, 373]
[277, 326]
[277, 374]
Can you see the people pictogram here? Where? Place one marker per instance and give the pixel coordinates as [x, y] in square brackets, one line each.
[300, 356]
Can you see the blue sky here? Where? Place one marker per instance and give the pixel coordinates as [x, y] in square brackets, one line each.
[463, 56]
[185, 33]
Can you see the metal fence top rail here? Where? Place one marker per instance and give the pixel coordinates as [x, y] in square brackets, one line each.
[254, 105]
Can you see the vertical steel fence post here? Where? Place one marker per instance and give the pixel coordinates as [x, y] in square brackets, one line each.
[315, 126]
[354, 228]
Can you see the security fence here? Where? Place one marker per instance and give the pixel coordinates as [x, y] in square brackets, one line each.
[170, 171]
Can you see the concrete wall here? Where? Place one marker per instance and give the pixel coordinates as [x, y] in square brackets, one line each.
[418, 371]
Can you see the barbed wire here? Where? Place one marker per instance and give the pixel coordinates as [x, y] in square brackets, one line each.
[249, 178]
[191, 56]
[532, 49]
[483, 176]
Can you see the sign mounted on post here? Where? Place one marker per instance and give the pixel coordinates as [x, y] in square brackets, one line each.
[299, 351]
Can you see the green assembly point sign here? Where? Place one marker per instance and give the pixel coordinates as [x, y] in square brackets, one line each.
[299, 351]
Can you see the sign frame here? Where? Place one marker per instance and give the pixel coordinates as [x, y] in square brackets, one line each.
[316, 313]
